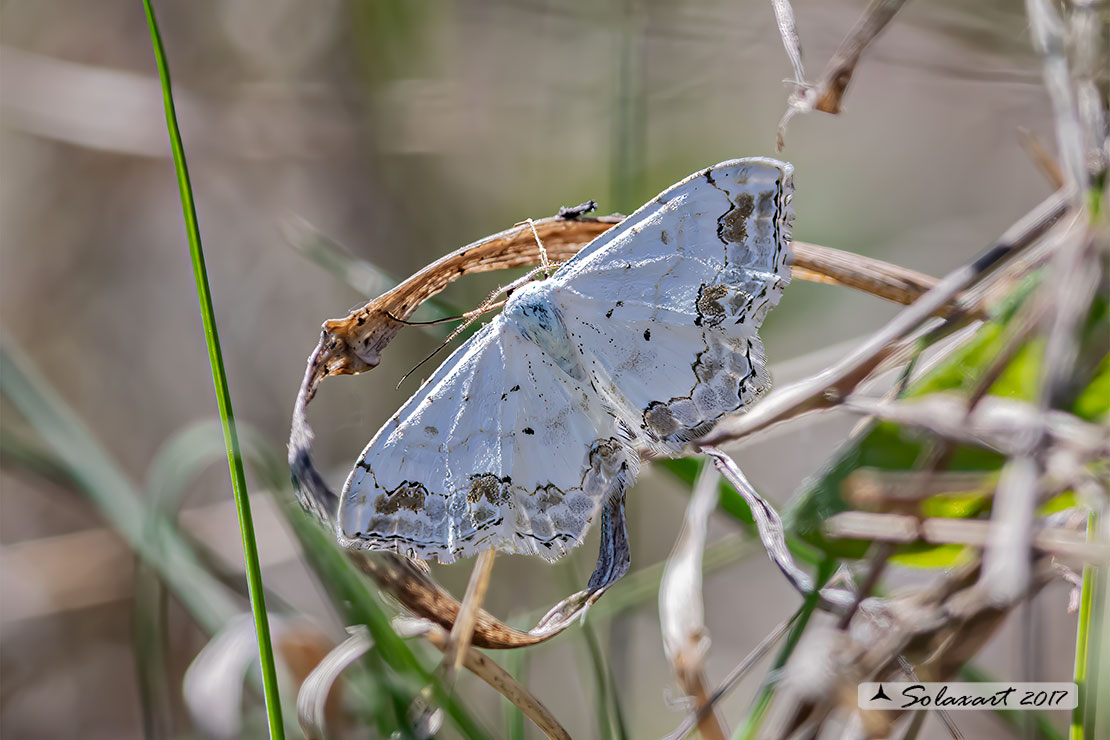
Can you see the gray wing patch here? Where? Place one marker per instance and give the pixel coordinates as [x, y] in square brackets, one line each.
[666, 314]
[525, 463]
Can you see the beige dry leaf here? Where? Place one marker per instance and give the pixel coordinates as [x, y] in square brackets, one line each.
[681, 604]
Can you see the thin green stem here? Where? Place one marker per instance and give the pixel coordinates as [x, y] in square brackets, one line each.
[223, 395]
[1014, 719]
[754, 721]
[1079, 715]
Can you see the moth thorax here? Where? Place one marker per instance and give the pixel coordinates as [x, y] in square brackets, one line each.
[532, 310]
[541, 323]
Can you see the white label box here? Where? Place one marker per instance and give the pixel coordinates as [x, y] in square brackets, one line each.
[952, 696]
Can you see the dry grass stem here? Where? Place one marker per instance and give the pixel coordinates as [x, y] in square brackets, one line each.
[1050, 40]
[826, 95]
[905, 528]
[1044, 161]
[486, 669]
[788, 32]
[758, 653]
[896, 491]
[1001, 424]
[463, 629]
[771, 533]
[313, 699]
[681, 603]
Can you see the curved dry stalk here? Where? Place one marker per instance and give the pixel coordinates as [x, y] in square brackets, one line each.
[681, 603]
[772, 534]
[826, 95]
[758, 653]
[463, 629]
[486, 669]
[421, 595]
[313, 698]
[354, 344]
[313, 705]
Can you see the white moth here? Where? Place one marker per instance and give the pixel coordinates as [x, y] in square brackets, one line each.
[642, 341]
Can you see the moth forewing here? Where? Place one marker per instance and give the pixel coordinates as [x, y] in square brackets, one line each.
[643, 340]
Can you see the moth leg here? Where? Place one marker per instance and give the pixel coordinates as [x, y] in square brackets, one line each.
[613, 556]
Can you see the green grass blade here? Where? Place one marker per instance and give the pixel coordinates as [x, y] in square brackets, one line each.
[602, 701]
[223, 395]
[150, 636]
[611, 723]
[628, 132]
[75, 455]
[180, 459]
[1014, 719]
[754, 721]
[365, 277]
[392, 671]
[1082, 718]
[358, 605]
[608, 699]
[1098, 657]
[516, 663]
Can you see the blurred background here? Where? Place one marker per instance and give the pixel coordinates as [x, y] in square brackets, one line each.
[397, 131]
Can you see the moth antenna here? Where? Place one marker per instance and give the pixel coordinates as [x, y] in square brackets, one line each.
[489, 304]
[425, 323]
[430, 356]
[480, 310]
[545, 263]
[471, 316]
